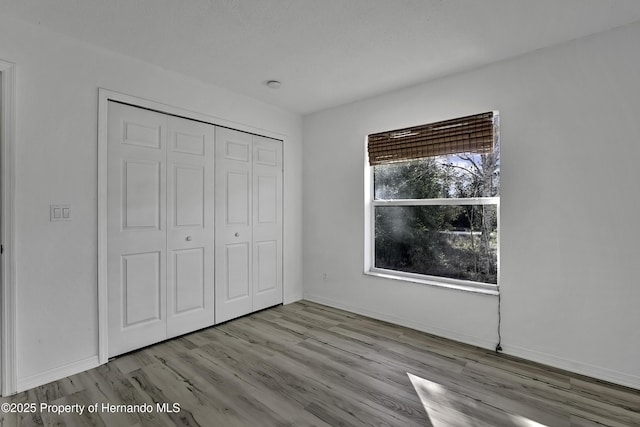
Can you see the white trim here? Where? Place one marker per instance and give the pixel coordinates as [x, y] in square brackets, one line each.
[442, 282]
[8, 279]
[592, 371]
[103, 314]
[104, 96]
[57, 373]
[438, 202]
[398, 320]
[369, 232]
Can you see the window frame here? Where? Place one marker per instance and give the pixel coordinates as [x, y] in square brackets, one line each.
[370, 203]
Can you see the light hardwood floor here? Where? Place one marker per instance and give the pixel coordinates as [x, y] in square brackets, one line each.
[306, 364]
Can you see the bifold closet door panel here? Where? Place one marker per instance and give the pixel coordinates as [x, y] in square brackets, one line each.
[190, 226]
[136, 264]
[248, 223]
[267, 222]
[233, 212]
[160, 226]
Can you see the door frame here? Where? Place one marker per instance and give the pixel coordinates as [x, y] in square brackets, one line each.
[8, 370]
[104, 97]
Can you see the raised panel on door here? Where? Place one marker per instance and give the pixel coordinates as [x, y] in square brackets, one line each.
[266, 266]
[141, 198]
[267, 223]
[189, 282]
[136, 235]
[142, 289]
[190, 226]
[233, 211]
[236, 280]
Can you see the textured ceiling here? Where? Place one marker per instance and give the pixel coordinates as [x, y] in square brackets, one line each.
[325, 52]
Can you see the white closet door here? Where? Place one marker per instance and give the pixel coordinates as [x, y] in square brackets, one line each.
[233, 211]
[136, 264]
[267, 222]
[248, 223]
[190, 226]
[159, 227]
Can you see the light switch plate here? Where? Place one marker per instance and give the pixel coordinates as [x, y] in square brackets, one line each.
[60, 212]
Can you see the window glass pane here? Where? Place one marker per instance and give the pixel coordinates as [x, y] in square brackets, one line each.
[457, 242]
[453, 176]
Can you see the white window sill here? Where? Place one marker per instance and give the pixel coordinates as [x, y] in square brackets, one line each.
[458, 285]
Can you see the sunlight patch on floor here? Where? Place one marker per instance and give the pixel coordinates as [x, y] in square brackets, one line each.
[447, 408]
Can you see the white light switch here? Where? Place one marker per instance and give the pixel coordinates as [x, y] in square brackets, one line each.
[60, 213]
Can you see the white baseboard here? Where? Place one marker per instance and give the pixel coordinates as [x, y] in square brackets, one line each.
[596, 372]
[546, 359]
[57, 373]
[444, 333]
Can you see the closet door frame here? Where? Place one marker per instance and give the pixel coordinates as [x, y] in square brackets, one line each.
[104, 96]
[8, 289]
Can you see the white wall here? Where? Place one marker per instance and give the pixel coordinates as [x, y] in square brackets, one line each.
[569, 206]
[56, 161]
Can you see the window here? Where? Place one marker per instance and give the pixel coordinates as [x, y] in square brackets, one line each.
[433, 204]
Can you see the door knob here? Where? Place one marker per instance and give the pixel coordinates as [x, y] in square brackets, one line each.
[237, 234]
[188, 238]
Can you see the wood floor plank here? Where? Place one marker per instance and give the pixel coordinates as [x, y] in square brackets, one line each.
[305, 364]
[364, 388]
[618, 396]
[71, 419]
[531, 370]
[237, 392]
[238, 357]
[446, 407]
[308, 386]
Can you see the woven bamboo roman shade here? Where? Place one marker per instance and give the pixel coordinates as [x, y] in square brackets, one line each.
[471, 134]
